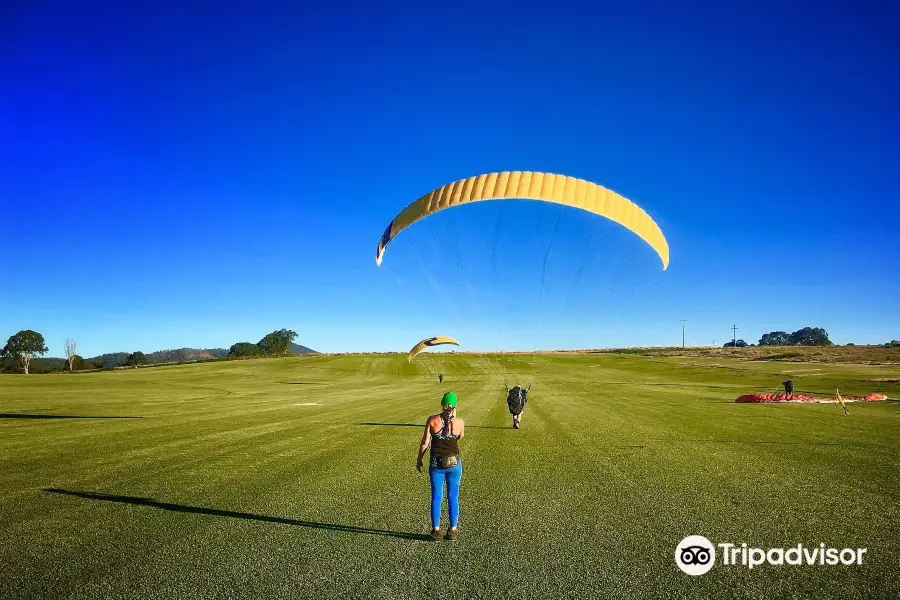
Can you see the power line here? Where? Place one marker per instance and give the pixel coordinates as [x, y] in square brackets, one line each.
[734, 329]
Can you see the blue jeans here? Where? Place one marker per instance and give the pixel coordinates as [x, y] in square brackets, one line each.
[438, 476]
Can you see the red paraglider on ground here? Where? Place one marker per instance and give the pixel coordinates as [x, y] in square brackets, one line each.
[760, 397]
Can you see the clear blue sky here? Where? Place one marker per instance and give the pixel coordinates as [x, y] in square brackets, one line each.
[197, 175]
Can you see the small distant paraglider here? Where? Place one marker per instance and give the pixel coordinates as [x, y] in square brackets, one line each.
[438, 340]
[430, 342]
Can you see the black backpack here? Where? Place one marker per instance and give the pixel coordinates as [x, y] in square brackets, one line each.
[516, 399]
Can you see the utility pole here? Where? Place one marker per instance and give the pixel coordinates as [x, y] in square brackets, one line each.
[734, 329]
[683, 321]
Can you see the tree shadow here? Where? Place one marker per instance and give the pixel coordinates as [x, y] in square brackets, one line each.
[28, 416]
[422, 425]
[237, 515]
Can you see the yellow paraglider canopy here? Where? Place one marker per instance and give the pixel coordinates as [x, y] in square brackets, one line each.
[432, 341]
[528, 185]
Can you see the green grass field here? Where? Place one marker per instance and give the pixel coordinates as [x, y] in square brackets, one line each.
[296, 477]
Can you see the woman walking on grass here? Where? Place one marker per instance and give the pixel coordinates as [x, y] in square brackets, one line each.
[442, 432]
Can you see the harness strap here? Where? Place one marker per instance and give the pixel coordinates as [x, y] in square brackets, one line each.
[445, 432]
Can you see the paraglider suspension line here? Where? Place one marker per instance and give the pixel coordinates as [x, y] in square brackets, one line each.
[541, 297]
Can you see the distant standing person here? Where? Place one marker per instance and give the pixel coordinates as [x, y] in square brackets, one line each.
[788, 387]
[442, 433]
[515, 400]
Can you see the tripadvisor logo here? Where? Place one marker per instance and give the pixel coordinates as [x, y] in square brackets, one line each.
[696, 555]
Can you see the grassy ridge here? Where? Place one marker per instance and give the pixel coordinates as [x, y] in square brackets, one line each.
[295, 477]
[828, 354]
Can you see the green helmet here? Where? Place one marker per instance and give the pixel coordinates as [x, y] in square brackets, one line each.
[449, 399]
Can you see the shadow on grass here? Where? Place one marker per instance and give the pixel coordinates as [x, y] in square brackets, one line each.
[422, 425]
[297, 382]
[27, 416]
[236, 515]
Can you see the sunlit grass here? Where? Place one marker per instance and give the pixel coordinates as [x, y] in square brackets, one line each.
[296, 478]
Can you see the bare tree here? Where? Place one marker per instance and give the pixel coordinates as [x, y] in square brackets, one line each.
[70, 351]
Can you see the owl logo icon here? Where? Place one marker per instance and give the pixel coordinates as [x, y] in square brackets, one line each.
[695, 555]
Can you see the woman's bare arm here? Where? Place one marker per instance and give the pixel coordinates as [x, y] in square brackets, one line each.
[426, 441]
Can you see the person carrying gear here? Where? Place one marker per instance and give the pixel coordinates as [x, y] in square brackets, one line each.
[788, 387]
[515, 400]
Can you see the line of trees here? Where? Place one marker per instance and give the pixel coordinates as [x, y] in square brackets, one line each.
[736, 344]
[21, 349]
[277, 343]
[808, 336]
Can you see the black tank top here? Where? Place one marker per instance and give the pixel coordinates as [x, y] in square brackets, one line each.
[444, 443]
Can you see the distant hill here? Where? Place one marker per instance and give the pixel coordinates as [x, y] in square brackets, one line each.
[43, 365]
[185, 354]
[298, 349]
[111, 359]
[117, 359]
[114, 359]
